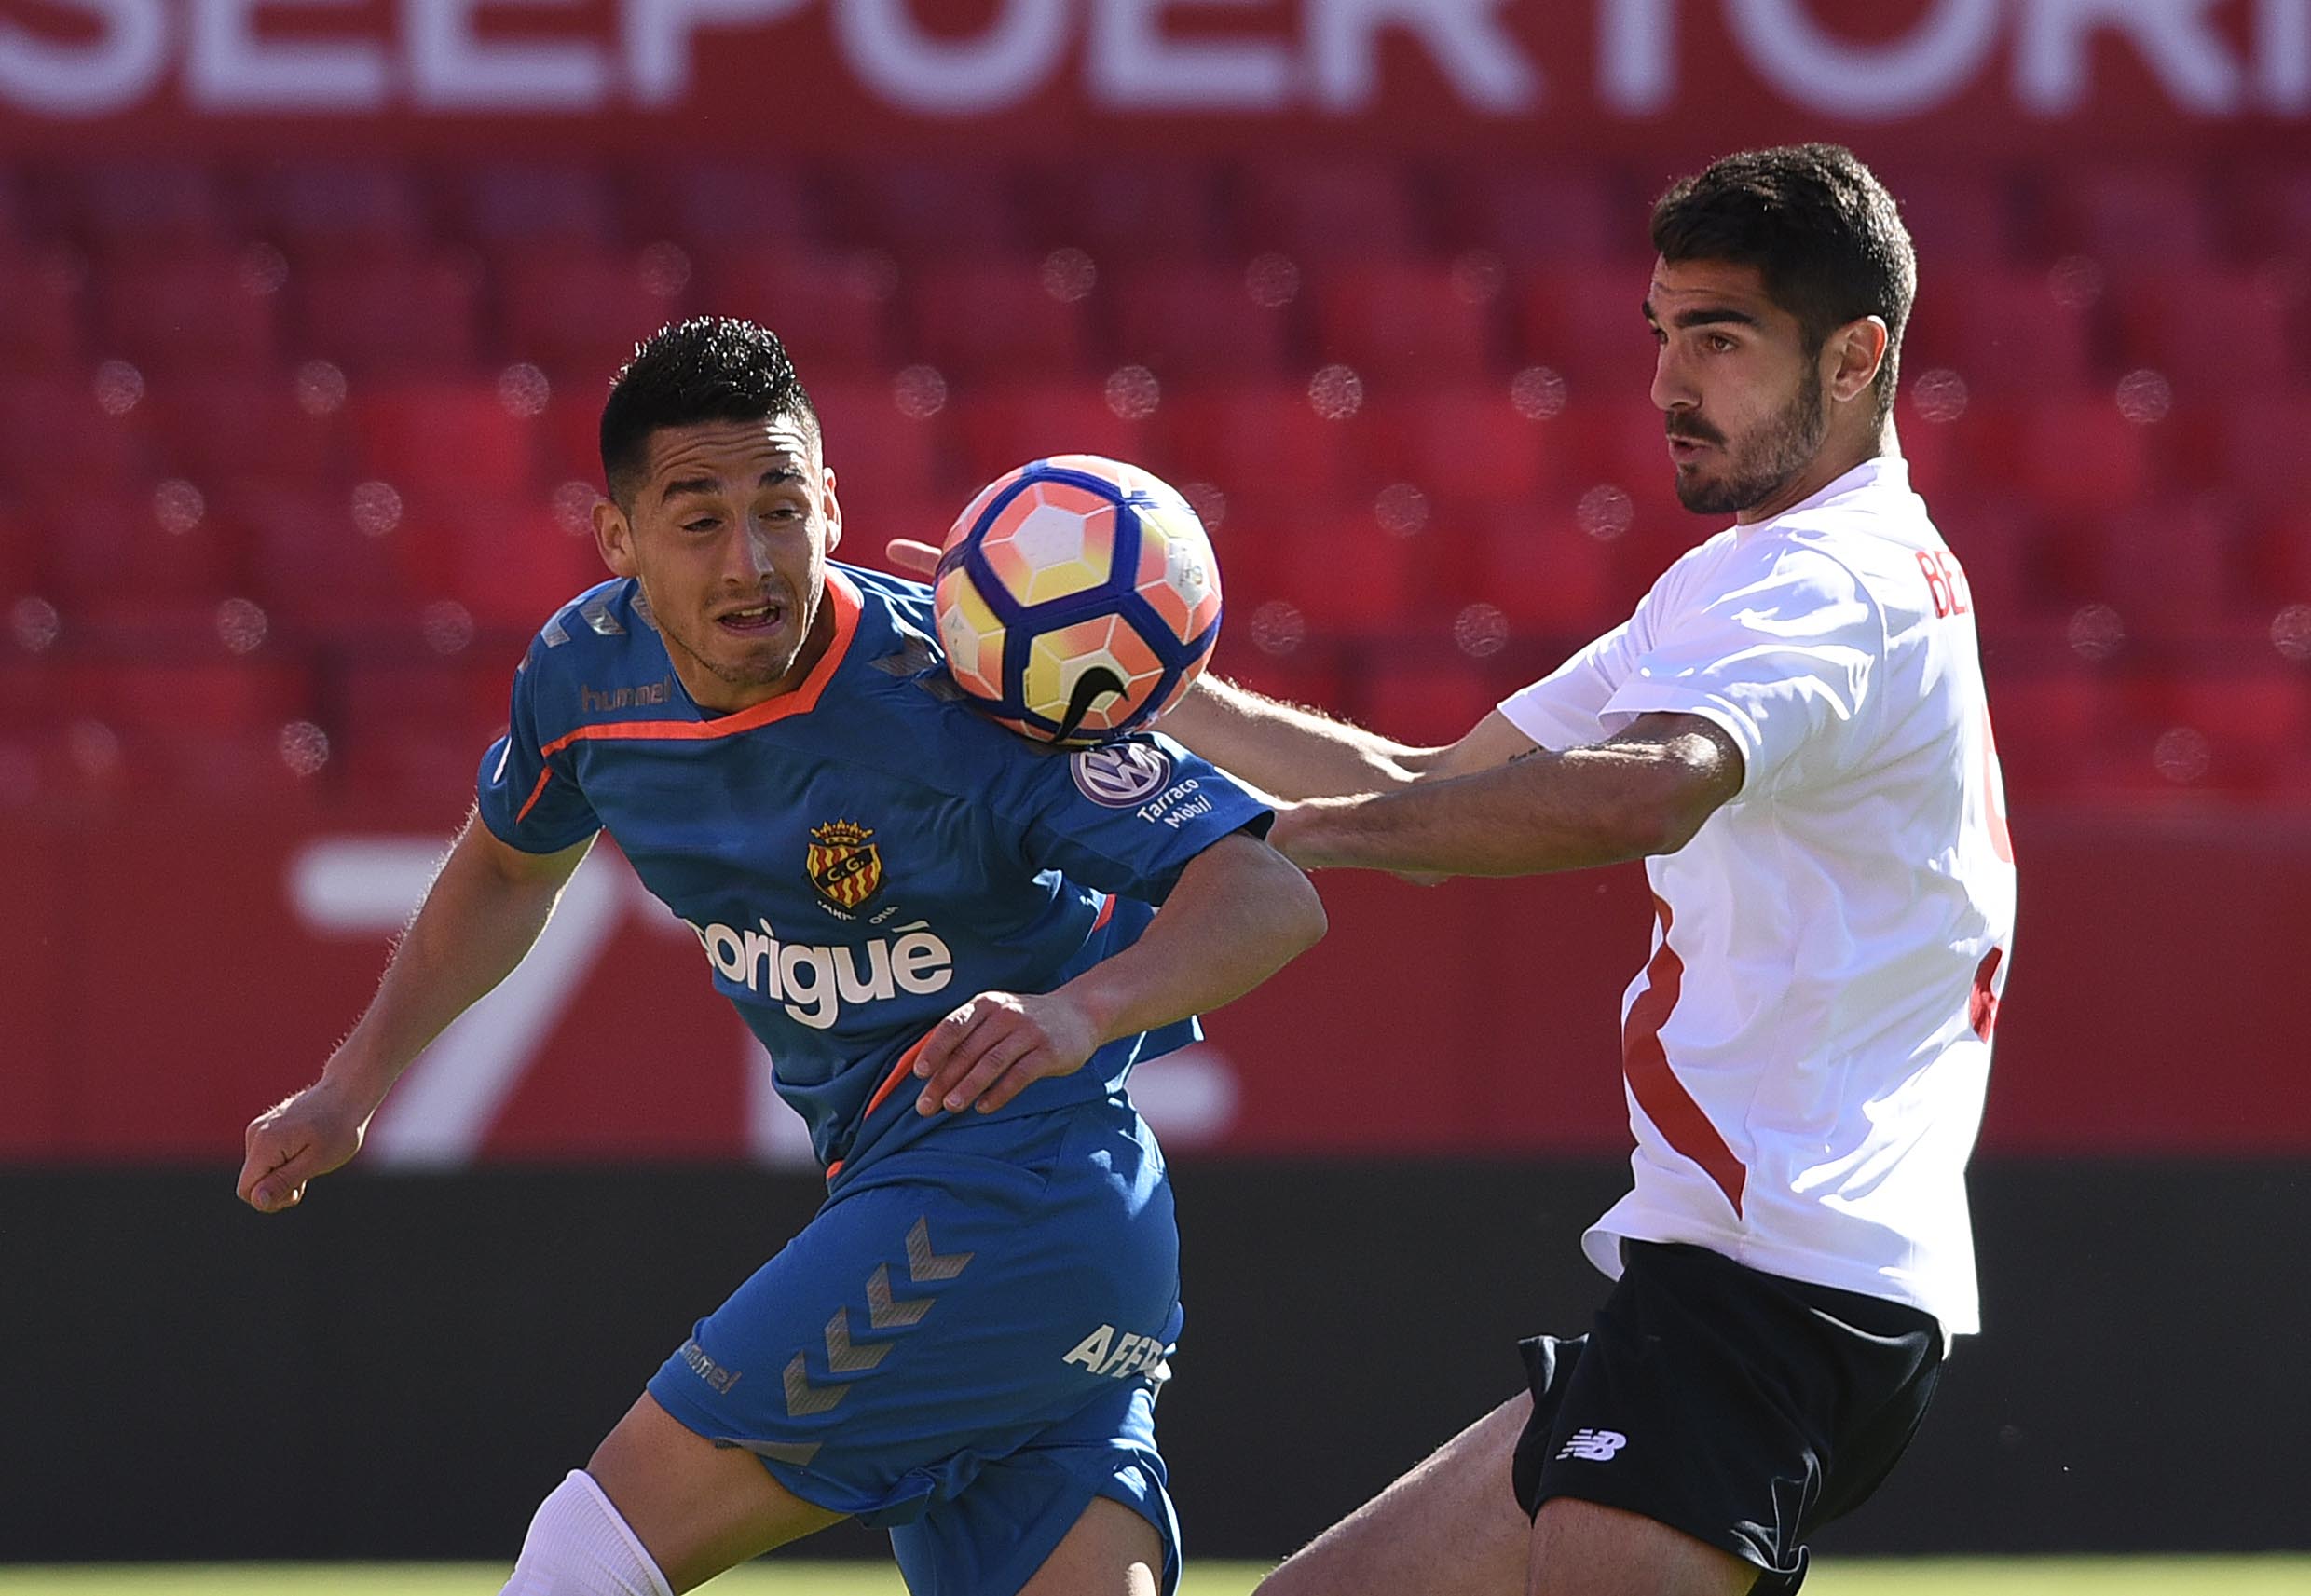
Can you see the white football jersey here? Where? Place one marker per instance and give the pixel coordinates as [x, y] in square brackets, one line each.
[1807, 1050]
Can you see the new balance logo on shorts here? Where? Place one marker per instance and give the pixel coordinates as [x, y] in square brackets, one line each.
[1593, 1446]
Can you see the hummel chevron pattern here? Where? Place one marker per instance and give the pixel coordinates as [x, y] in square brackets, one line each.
[844, 1355]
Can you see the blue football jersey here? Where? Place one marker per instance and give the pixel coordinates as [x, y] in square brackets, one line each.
[860, 856]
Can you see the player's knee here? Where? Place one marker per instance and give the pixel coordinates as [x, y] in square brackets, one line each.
[579, 1546]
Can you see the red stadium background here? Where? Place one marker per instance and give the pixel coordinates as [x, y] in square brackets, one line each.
[305, 310]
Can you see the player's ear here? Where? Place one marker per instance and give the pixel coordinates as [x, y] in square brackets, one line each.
[613, 535]
[830, 508]
[1860, 348]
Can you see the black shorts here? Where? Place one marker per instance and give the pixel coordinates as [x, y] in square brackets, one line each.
[1741, 1407]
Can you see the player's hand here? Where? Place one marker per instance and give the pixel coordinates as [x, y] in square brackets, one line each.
[996, 1046]
[916, 559]
[288, 1144]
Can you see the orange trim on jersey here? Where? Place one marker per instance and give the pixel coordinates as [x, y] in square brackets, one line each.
[535, 794]
[1107, 911]
[899, 1071]
[804, 699]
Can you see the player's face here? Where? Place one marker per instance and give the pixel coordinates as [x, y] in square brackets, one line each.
[729, 535]
[1742, 397]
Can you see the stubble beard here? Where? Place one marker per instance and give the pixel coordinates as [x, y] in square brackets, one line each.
[1766, 463]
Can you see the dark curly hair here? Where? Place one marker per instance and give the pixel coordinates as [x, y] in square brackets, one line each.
[710, 368]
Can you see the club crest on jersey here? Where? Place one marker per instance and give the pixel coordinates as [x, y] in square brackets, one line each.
[1119, 775]
[843, 865]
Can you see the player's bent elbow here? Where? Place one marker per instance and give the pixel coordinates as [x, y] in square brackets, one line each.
[1293, 900]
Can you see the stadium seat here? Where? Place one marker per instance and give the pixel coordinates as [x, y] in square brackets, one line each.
[508, 561]
[2058, 730]
[1528, 210]
[1586, 322]
[148, 208]
[2210, 332]
[2081, 457]
[216, 428]
[53, 431]
[1264, 442]
[442, 439]
[43, 293]
[1127, 211]
[339, 210]
[759, 202]
[1467, 442]
[1402, 321]
[208, 310]
[2128, 216]
[1188, 319]
[392, 315]
[1957, 215]
[2251, 445]
[1349, 578]
[1995, 537]
[537, 205]
[2274, 207]
[880, 453]
[2165, 567]
[2001, 330]
[314, 569]
[1000, 426]
[927, 211]
[2255, 724]
[1316, 211]
[1422, 695]
[829, 309]
[2275, 567]
[578, 313]
[103, 546]
[1547, 576]
[993, 317]
[217, 693]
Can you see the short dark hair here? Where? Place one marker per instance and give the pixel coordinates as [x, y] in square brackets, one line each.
[709, 368]
[1819, 226]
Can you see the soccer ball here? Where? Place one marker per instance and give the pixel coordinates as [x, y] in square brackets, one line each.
[1077, 598]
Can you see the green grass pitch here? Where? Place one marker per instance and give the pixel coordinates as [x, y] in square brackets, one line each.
[2013, 1577]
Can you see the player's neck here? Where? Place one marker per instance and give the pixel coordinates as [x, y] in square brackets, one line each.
[715, 696]
[1833, 462]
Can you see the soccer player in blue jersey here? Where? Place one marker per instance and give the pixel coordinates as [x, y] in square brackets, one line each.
[944, 936]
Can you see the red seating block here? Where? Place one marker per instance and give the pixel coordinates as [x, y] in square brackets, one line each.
[878, 452]
[1346, 575]
[214, 429]
[2241, 731]
[930, 211]
[312, 565]
[209, 309]
[2165, 567]
[101, 548]
[2209, 331]
[509, 561]
[218, 695]
[1190, 319]
[331, 211]
[1422, 696]
[580, 313]
[1962, 217]
[2001, 329]
[146, 207]
[1468, 442]
[1587, 323]
[1321, 211]
[2081, 457]
[2132, 216]
[538, 204]
[728, 203]
[2058, 732]
[442, 439]
[42, 293]
[829, 310]
[1535, 212]
[1006, 426]
[1264, 442]
[995, 317]
[1402, 321]
[53, 433]
[392, 314]
[1127, 211]
[1546, 575]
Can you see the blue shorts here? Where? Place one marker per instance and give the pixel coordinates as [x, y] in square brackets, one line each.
[964, 1344]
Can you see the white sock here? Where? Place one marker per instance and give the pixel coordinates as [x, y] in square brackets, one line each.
[579, 1546]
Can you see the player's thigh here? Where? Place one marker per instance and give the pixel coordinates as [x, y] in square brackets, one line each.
[1111, 1551]
[1582, 1548]
[1450, 1526]
[697, 1509]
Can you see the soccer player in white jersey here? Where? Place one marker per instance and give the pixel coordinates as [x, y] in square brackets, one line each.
[1791, 730]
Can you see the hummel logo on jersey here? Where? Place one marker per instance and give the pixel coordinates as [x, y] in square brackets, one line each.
[1593, 1446]
[814, 980]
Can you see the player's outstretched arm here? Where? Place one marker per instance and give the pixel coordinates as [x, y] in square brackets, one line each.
[481, 915]
[1644, 792]
[1286, 749]
[1238, 913]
